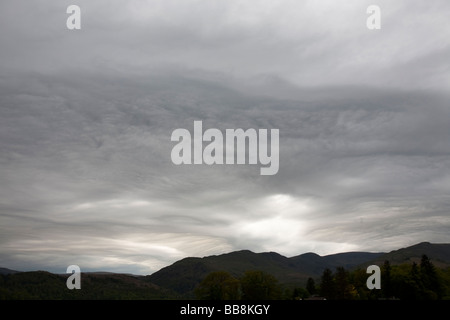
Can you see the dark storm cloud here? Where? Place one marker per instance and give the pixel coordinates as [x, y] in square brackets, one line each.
[86, 120]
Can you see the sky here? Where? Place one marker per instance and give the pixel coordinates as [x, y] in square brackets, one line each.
[86, 118]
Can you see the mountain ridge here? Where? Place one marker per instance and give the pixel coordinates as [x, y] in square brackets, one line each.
[442, 257]
[293, 271]
[179, 279]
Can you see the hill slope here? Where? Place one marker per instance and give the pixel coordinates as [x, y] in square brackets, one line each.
[7, 271]
[42, 285]
[439, 253]
[184, 275]
[178, 280]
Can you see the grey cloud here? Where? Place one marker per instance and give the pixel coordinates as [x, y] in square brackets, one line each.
[86, 120]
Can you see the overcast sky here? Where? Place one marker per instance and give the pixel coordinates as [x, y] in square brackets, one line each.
[86, 117]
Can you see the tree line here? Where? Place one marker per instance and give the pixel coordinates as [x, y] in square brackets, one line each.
[253, 285]
[416, 281]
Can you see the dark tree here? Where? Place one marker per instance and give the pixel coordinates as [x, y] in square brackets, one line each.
[386, 286]
[326, 284]
[300, 294]
[413, 286]
[430, 279]
[219, 285]
[311, 286]
[258, 285]
[343, 288]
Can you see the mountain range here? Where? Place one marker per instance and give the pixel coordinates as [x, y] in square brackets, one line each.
[184, 275]
[180, 279]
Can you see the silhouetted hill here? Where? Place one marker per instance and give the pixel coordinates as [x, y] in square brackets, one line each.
[184, 275]
[179, 280]
[350, 260]
[7, 271]
[439, 253]
[313, 265]
[42, 285]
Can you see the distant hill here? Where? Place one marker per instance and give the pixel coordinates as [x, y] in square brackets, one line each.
[439, 253]
[313, 264]
[178, 280]
[184, 275]
[7, 271]
[42, 285]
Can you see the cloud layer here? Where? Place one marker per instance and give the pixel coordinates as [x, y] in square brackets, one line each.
[86, 118]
